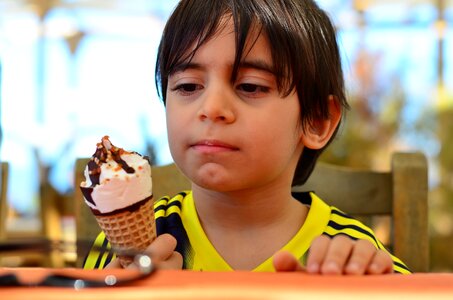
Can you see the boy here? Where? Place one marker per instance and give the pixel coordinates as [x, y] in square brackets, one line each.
[253, 92]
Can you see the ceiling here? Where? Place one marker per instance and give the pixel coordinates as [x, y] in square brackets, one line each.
[138, 12]
[136, 6]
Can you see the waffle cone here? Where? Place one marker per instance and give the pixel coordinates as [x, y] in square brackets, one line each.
[130, 229]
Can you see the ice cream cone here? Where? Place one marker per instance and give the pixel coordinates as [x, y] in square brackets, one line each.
[130, 229]
[118, 190]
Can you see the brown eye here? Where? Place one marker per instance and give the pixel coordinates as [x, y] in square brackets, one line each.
[249, 88]
[252, 88]
[187, 88]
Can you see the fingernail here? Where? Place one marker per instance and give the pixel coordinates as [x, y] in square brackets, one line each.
[374, 268]
[331, 268]
[353, 268]
[313, 268]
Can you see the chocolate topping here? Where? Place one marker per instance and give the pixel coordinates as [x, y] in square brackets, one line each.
[104, 151]
[86, 192]
[130, 208]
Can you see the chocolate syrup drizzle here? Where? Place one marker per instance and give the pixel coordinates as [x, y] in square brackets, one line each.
[100, 157]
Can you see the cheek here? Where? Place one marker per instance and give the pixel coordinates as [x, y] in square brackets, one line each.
[278, 140]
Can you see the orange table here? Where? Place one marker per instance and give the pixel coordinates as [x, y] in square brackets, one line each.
[246, 285]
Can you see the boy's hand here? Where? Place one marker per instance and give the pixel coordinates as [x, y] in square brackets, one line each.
[338, 255]
[163, 254]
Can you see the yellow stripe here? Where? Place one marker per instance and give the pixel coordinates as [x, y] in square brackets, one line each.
[161, 202]
[397, 268]
[348, 221]
[166, 208]
[173, 209]
[103, 259]
[400, 270]
[177, 198]
[93, 255]
[160, 213]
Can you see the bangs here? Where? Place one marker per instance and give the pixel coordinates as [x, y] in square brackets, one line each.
[186, 32]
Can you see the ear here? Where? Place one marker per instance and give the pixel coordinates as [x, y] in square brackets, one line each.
[318, 133]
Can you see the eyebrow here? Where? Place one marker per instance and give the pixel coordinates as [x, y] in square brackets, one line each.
[185, 66]
[257, 64]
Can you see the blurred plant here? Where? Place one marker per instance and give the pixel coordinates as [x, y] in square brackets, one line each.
[441, 196]
[375, 127]
[370, 128]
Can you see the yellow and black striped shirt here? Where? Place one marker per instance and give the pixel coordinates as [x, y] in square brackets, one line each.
[178, 217]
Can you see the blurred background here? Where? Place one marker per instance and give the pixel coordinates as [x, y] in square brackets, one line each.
[72, 71]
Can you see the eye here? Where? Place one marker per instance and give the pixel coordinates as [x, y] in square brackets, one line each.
[187, 88]
[250, 88]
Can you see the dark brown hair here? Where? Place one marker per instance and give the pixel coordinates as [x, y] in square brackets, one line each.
[303, 45]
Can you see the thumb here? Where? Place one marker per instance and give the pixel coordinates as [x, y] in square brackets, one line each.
[284, 261]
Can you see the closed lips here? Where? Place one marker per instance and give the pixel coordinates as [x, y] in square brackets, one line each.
[214, 144]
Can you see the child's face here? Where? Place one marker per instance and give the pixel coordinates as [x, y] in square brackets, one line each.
[230, 136]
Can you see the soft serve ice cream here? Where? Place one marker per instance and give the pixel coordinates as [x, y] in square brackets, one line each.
[115, 179]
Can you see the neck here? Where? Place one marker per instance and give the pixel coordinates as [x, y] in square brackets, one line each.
[255, 207]
[257, 222]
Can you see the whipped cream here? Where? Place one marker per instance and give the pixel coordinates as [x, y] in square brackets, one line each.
[115, 178]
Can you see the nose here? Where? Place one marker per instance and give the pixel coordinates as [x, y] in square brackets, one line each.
[217, 106]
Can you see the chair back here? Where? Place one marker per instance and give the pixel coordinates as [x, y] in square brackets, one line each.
[3, 198]
[167, 180]
[24, 239]
[401, 194]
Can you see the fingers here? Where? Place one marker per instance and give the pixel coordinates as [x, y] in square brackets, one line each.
[381, 263]
[162, 247]
[114, 264]
[361, 256]
[286, 262]
[173, 262]
[342, 255]
[163, 254]
[328, 256]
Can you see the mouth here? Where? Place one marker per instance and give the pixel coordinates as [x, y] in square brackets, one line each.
[213, 146]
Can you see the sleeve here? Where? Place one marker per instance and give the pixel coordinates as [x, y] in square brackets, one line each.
[100, 254]
[341, 223]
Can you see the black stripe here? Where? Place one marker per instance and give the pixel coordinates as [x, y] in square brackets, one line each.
[401, 266]
[303, 197]
[101, 253]
[166, 198]
[109, 258]
[85, 260]
[183, 194]
[165, 207]
[340, 213]
[333, 235]
[340, 227]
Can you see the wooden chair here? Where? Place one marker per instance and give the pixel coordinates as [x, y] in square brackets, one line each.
[3, 199]
[30, 246]
[167, 180]
[401, 193]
